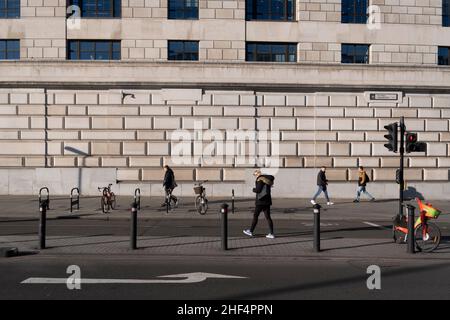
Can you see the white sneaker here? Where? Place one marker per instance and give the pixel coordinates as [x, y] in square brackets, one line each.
[330, 203]
[313, 202]
[248, 233]
[270, 236]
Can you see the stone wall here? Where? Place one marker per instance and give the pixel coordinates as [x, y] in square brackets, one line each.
[401, 39]
[97, 129]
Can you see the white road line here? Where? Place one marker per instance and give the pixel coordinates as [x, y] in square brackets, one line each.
[189, 278]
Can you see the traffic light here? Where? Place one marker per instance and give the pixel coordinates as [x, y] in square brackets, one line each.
[392, 137]
[412, 145]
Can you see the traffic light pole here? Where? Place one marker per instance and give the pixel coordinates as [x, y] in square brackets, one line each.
[402, 164]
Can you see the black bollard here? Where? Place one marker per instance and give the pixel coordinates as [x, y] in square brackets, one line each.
[224, 215]
[316, 211]
[232, 201]
[42, 224]
[137, 198]
[411, 235]
[133, 233]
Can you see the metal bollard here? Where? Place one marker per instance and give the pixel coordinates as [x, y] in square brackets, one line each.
[224, 215]
[411, 235]
[133, 233]
[42, 224]
[316, 211]
[47, 199]
[232, 201]
[76, 197]
[137, 198]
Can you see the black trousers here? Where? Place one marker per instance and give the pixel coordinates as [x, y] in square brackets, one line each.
[258, 210]
[172, 197]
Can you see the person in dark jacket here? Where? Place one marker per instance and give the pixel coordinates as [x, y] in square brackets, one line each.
[363, 179]
[263, 185]
[322, 183]
[169, 184]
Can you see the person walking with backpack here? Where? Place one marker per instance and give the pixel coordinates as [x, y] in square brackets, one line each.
[322, 183]
[363, 179]
[263, 185]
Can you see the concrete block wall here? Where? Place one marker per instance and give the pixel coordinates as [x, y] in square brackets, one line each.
[94, 129]
[323, 10]
[422, 12]
[222, 31]
[403, 54]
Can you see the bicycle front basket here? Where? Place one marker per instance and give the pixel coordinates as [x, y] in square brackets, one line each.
[198, 190]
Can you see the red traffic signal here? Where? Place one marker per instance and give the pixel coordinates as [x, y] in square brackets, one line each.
[412, 145]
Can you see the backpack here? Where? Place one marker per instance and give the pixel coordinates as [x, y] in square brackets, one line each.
[367, 178]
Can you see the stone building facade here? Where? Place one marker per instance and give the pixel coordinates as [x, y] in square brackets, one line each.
[66, 123]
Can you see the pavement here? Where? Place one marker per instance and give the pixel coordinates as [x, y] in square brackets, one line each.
[184, 245]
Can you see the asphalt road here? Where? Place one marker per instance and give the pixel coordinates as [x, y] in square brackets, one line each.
[189, 227]
[261, 278]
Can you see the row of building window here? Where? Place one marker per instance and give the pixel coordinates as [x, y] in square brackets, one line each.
[189, 51]
[352, 11]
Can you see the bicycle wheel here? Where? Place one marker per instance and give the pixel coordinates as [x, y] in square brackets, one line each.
[113, 200]
[202, 205]
[430, 240]
[104, 204]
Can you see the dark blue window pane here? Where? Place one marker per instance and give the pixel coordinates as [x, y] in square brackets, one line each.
[183, 50]
[94, 50]
[14, 55]
[9, 9]
[183, 9]
[270, 10]
[87, 45]
[98, 8]
[443, 56]
[354, 11]
[9, 49]
[12, 45]
[86, 55]
[355, 53]
[116, 55]
[271, 52]
[102, 46]
[446, 13]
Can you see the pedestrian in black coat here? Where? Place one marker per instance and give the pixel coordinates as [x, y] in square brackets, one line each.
[263, 201]
[322, 183]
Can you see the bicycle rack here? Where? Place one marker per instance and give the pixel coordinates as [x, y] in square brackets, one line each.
[47, 199]
[137, 198]
[74, 199]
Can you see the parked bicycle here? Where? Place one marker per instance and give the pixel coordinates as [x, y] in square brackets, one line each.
[427, 234]
[108, 200]
[201, 203]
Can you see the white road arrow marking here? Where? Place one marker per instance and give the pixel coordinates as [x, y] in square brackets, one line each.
[189, 278]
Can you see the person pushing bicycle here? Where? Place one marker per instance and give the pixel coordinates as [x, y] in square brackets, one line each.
[169, 184]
